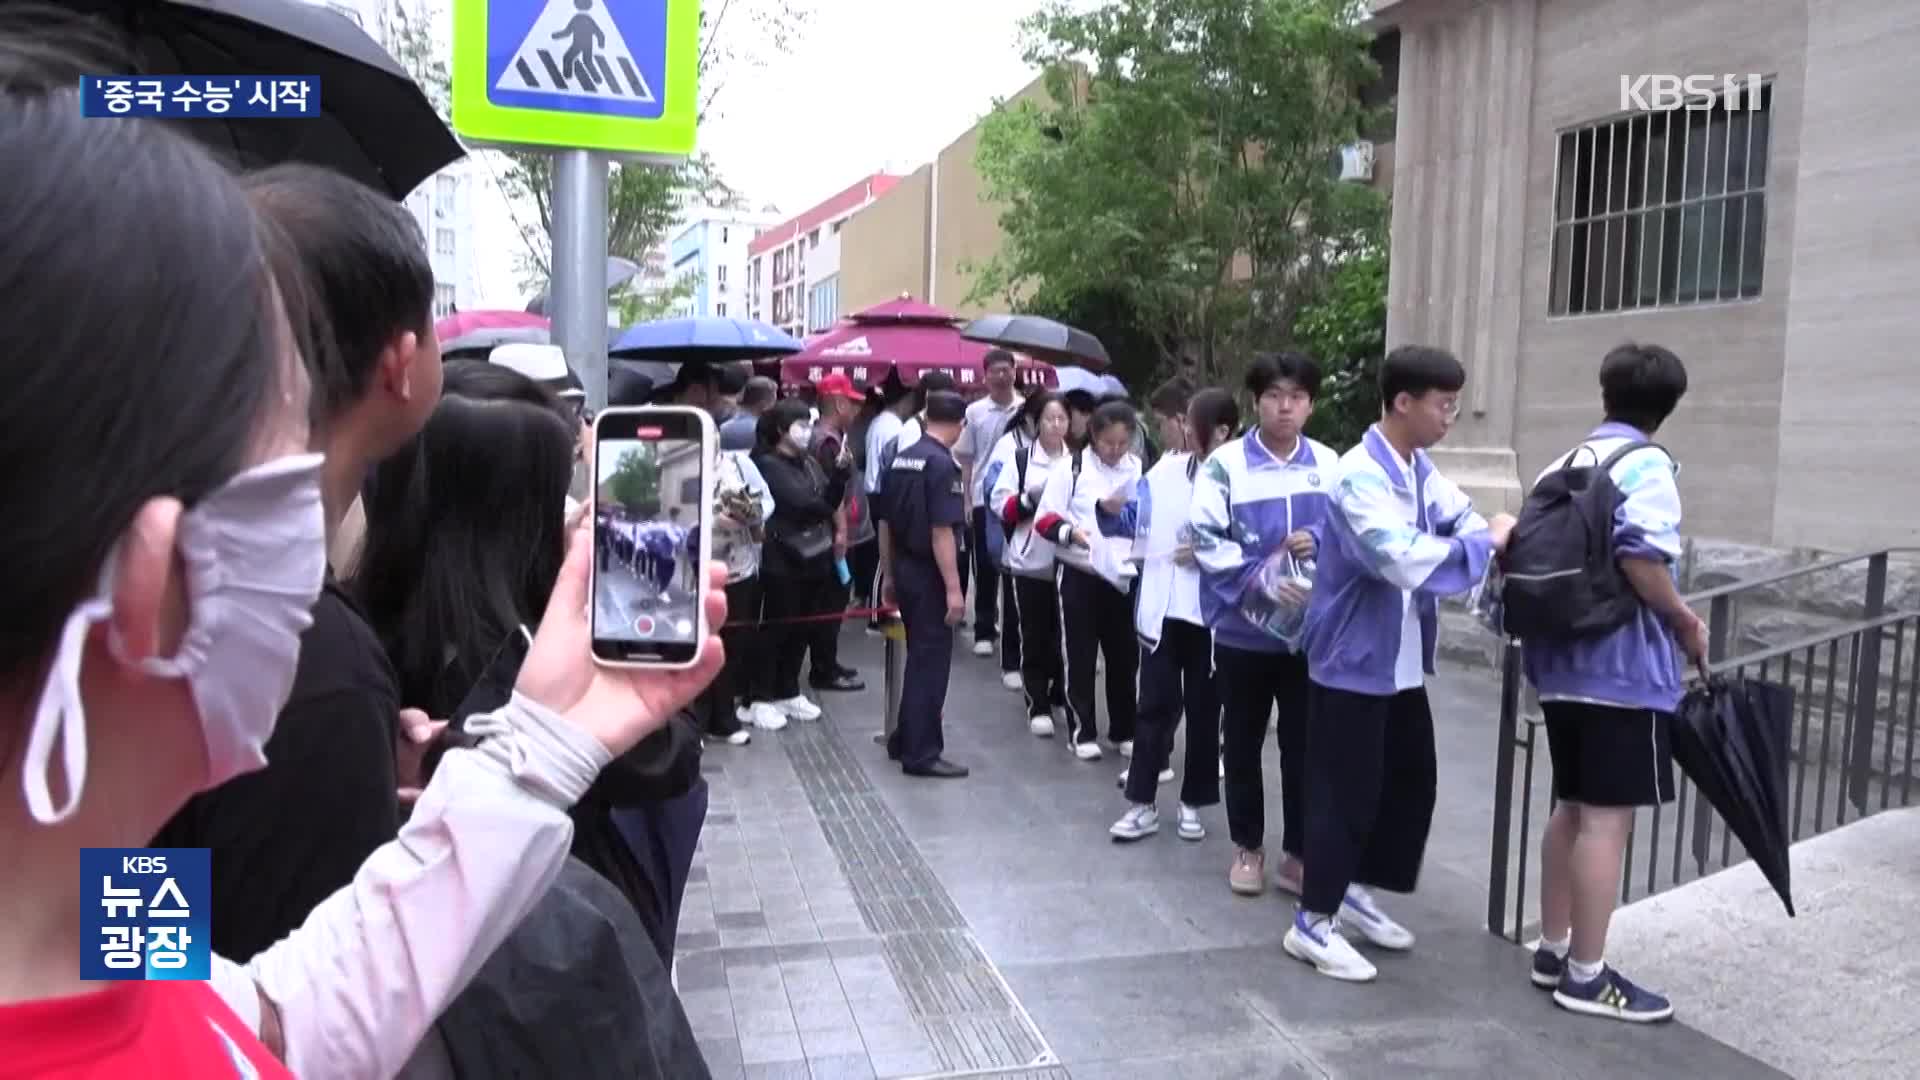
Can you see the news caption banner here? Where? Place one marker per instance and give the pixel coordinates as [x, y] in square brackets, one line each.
[145, 914]
[200, 97]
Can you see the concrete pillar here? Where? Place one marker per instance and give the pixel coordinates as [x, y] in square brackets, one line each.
[1461, 149]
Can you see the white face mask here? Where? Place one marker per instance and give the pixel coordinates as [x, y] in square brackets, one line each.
[800, 435]
[256, 557]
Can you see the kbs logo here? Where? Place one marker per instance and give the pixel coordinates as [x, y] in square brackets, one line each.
[1657, 93]
[144, 913]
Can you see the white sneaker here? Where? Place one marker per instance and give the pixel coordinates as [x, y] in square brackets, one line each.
[1087, 751]
[1360, 911]
[798, 708]
[1139, 820]
[1317, 941]
[983, 648]
[1223, 766]
[1041, 725]
[1190, 827]
[741, 737]
[1165, 777]
[1125, 746]
[766, 717]
[1012, 681]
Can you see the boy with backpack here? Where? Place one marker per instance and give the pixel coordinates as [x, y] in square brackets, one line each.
[1590, 592]
[1398, 536]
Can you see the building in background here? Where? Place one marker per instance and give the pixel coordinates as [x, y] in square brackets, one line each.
[778, 277]
[710, 246]
[1539, 220]
[443, 206]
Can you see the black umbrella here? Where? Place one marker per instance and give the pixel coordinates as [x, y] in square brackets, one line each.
[376, 124]
[1049, 340]
[1731, 737]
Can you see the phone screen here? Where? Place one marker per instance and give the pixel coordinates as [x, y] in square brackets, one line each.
[650, 526]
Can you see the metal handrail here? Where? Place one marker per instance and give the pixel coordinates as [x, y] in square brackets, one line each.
[1814, 640]
[1750, 584]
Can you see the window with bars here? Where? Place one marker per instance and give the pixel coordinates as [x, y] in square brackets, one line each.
[1661, 209]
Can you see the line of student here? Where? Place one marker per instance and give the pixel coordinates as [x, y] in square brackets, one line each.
[1366, 543]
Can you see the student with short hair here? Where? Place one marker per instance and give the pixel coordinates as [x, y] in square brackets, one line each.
[1258, 498]
[1609, 698]
[1399, 536]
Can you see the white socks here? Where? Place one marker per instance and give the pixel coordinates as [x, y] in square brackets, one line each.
[1557, 948]
[1584, 973]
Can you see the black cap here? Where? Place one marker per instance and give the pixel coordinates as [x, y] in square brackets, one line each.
[946, 407]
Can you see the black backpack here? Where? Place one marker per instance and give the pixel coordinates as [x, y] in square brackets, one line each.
[1561, 579]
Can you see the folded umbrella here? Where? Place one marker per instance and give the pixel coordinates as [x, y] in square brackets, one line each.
[1044, 338]
[1731, 737]
[375, 123]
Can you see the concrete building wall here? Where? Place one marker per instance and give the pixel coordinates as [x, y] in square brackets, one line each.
[884, 246]
[1848, 427]
[1793, 433]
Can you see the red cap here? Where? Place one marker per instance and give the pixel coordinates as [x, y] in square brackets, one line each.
[838, 385]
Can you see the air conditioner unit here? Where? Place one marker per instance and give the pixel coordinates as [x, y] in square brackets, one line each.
[1356, 162]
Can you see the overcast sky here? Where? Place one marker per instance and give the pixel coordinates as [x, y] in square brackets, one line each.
[871, 85]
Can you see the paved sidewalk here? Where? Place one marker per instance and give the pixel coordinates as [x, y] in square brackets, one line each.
[846, 921]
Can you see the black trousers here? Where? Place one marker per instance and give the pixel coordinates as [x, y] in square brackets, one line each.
[785, 602]
[917, 738]
[992, 594]
[1174, 677]
[1370, 792]
[823, 635]
[864, 560]
[1036, 608]
[1096, 620]
[1258, 688]
[742, 678]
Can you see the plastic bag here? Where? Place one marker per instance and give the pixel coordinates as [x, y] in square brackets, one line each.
[1485, 601]
[1279, 595]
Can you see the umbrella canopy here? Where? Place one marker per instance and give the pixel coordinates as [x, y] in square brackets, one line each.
[483, 331]
[1044, 338]
[1731, 737]
[376, 124]
[619, 272]
[867, 352]
[703, 339]
[904, 310]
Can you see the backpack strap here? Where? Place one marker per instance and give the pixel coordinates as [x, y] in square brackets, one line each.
[1615, 457]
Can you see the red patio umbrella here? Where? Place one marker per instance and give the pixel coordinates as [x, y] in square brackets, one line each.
[480, 331]
[904, 338]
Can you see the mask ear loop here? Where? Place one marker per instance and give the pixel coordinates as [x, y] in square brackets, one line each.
[60, 714]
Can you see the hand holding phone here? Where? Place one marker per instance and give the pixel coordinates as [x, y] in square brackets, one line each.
[652, 527]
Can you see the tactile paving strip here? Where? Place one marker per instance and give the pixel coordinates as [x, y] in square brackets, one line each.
[956, 996]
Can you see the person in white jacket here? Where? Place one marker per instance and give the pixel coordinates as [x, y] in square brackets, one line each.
[1088, 512]
[1024, 460]
[1176, 647]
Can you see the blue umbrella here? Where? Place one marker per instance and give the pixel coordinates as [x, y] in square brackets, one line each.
[703, 339]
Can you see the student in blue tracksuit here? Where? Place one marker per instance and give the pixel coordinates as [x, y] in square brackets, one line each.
[1609, 698]
[1399, 536]
[1258, 497]
[1176, 650]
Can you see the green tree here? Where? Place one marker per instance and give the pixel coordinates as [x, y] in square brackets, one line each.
[635, 483]
[1182, 169]
[1345, 328]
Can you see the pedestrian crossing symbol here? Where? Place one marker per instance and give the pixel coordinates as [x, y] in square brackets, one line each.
[571, 53]
[613, 75]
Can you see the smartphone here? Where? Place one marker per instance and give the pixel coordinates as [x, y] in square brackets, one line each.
[652, 535]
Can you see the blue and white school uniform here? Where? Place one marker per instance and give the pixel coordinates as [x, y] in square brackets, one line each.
[1400, 536]
[1096, 591]
[1176, 651]
[1609, 698]
[1246, 502]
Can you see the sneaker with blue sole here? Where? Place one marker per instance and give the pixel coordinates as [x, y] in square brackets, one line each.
[1613, 996]
[1548, 967]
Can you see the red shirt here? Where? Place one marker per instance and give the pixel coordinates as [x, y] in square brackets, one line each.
[133, 1029]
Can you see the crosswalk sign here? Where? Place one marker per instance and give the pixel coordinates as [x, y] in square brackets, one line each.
[611, 75]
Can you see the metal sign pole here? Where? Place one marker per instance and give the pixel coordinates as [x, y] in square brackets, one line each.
[580, 267]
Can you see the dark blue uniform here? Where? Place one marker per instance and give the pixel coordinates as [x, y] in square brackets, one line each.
[921, 493]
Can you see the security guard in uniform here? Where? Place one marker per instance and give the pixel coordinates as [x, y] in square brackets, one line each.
[923, 510]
